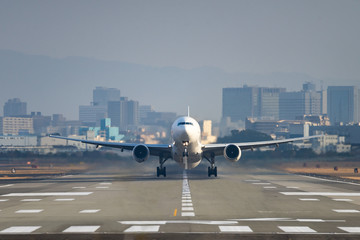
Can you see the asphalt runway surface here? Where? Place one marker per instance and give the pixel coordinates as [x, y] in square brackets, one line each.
[118, 203]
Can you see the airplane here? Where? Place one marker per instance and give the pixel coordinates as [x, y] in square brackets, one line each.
[186, 148]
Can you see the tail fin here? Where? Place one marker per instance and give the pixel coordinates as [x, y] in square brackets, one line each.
[188, 111]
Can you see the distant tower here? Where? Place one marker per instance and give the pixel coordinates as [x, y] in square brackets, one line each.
[14, 108]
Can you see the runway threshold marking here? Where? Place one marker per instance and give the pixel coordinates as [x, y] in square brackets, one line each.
[235, 229]
[296, 229]
[20, 229]
[81, 229]
[350, 229]
[143, 229]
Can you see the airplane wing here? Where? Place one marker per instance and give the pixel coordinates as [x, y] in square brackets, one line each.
[218, 149]
[155, 149]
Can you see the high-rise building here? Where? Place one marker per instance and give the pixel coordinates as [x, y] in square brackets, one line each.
[123, 113]
[14, 108]
[240, 103]
[16, 126]
[91, 115]
[102, 95]
[305, 102]
[343, 104]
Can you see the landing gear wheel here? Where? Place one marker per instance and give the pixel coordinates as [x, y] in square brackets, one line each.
[212, 171]
[161, 171]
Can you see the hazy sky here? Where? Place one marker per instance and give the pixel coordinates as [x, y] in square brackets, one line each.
[316, 37]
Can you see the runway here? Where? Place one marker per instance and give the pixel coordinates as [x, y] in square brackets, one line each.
[253, 203]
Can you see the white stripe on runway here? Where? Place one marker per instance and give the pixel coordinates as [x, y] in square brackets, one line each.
[81, 229]
[343, 194]
[261, 183]
[30, 211]
[31, 200]
[4, 200]
[90, 211]
[296, 229]
[64, 199]
[186, 201]
[187, 209]
[187, 214]
[350, 229]
[143, 229]
[8, 185]
[309, 199]
[269, 187]
[20, 229]
[343, 200]
[47, 194]
[205, 222]
[186, 204]
[235, 229]
[310, 220]
[346, 210]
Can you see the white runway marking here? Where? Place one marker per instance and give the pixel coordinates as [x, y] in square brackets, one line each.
[310, 220]
[30, 211]
[90, 211]
[235, 229]
[47, 194]
[309, 199]
[186, 197]
[252, 180]
[343, 194]
[79, 187]
[296, 229]
[64, 199]
[31, 200]
[105, 183]
[186, 201]
[81, 229]
[187, 209]
[186, 204]
[293, 187]
[4, 200]
[263, 219]
[261, 183]
[328, 180]
[205, 222]
[20, 229]
[143, 229]
[343, 200]
[346, 210]
[269, 187]
[187, 214]
[7, 185]
[350, 229]
[102, 187]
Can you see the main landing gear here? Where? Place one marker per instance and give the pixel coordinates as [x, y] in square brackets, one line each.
[212, 170]
[161, 170]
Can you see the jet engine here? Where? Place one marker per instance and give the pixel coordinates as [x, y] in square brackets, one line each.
[232, 152]
[140, 153]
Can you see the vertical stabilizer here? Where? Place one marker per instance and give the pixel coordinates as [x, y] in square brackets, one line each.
[188, 111]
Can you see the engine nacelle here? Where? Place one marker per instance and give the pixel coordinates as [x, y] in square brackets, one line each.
[232, 152]
[140, 153]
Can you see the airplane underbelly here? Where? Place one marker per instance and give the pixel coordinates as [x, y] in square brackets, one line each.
[187, 159]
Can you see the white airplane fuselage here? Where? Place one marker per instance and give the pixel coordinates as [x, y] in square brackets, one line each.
[186, 148]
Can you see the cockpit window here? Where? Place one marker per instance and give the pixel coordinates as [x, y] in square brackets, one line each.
[185, 123]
